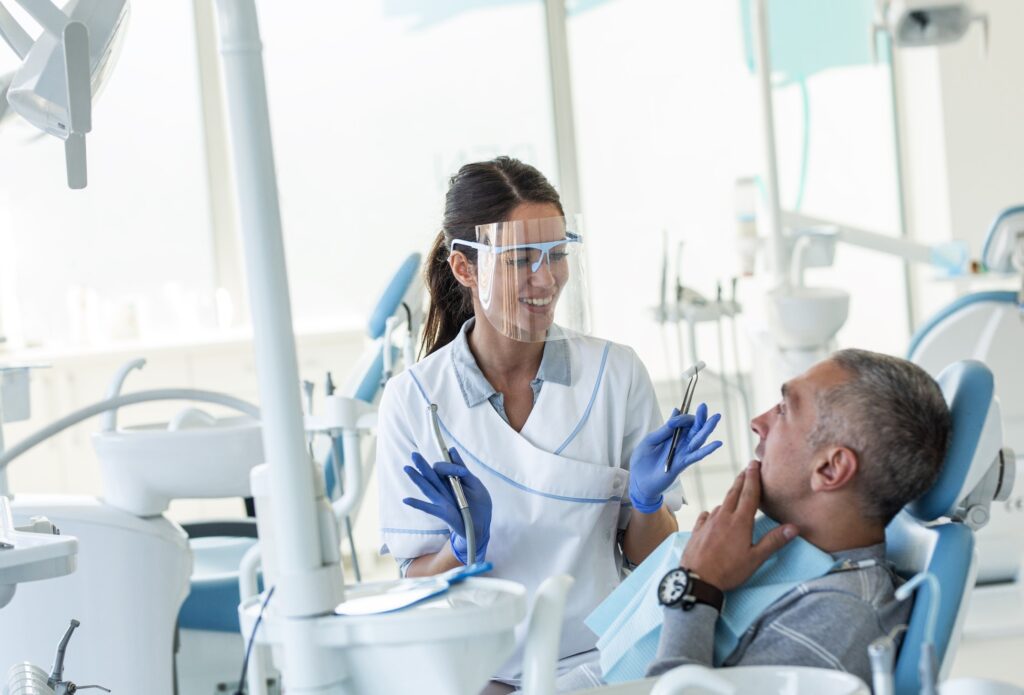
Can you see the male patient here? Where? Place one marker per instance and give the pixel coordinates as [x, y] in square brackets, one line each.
[852, 441]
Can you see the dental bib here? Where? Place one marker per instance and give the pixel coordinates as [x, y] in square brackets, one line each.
[628, 622]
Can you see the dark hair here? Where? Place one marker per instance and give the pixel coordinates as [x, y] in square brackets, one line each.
[892, 414]
[480, 193]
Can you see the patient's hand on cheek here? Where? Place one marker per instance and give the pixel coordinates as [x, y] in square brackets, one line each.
[720, 550]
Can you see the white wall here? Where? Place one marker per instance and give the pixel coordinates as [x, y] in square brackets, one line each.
[965, 146]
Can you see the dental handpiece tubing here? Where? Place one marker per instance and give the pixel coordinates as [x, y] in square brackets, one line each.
[691, 386]
[460, 494]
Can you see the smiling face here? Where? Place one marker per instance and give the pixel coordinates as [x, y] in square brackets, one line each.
[519, 282]
[788, 460]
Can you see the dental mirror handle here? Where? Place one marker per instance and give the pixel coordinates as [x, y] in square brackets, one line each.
[691, 385]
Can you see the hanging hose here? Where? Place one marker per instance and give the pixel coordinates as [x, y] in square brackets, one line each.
[460, 495]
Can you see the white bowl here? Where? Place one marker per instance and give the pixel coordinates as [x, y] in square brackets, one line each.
[448, 645]
[806, 317]
[143, 468]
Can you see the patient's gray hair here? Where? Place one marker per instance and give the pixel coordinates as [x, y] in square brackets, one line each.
[892, 415]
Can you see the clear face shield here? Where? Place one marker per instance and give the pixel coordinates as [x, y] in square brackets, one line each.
[531, 278]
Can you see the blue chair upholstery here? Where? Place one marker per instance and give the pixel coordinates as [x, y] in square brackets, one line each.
[942, 547]
[997, 253]
[212, 603]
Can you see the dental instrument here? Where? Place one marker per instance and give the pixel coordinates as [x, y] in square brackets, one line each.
[408, 592]
[460, 495]
[882, 655]
[334, 461]
[691, 386]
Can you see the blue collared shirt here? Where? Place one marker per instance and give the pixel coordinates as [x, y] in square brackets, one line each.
[555, 367]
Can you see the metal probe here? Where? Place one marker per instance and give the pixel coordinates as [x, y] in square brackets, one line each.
[691, 386]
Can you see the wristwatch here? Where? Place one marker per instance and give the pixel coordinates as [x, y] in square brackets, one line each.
[681, 588]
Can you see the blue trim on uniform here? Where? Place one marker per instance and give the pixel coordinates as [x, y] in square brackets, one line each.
[998, 296]
[416, 532]
[502, 476]
[590, 406]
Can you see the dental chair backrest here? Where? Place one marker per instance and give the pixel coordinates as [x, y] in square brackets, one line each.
[935, 533]
[1004, 244]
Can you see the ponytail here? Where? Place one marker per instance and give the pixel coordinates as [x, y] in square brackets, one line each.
[451, 304]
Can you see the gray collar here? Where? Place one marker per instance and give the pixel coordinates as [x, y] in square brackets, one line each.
[555, 367]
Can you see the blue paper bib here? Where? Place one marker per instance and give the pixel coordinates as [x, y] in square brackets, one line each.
[628, 622]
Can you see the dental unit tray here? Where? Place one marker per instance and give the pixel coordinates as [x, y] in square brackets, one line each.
[31, 553]
[396, 596]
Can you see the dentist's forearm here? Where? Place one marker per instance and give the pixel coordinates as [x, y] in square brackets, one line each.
[646, 532]
[434, 563]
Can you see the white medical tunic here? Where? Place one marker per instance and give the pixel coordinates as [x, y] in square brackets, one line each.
[559, 487]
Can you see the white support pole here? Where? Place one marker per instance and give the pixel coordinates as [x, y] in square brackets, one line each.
[225, 243]
[770, 174]
[561, 102]
[306, 585]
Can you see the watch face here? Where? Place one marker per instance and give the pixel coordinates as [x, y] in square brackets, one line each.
[673, 587]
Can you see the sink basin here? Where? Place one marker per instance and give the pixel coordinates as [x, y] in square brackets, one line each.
[806, 317]
[194, 456]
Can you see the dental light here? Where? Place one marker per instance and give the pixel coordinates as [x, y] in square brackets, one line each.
[913, 23]
[64, 68]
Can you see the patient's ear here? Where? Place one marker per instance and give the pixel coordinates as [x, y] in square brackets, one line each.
[835, 470]
[462, 269]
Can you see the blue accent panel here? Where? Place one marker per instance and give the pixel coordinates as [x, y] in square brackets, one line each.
[972, 390]
[808, 36]
[391, 299]
[502, 476]
[212, 603]
[370, 383]
[961, 303]
[416, 532]
[590, 406]
[950, 563]
[990, 235]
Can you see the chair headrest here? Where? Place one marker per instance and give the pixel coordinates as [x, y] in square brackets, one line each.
[391, 299]
[969, 390]
[1002, 241]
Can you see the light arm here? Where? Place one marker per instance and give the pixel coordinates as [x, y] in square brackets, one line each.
[47, 14]
[16, 37]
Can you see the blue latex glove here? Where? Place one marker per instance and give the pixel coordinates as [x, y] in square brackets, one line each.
[647, 476]
[433, 482]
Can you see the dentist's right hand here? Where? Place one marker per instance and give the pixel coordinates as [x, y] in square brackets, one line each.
[433, 482]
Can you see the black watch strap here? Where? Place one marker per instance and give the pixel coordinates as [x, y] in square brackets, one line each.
[699, 591]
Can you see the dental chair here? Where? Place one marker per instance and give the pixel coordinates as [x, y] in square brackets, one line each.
[935, 534]
[989, 327]
[209, 648]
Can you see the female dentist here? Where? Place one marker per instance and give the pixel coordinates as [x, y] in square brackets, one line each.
[550, 429]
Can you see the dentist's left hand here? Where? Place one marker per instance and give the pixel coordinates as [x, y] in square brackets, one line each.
[433, 482]
[647, 476]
